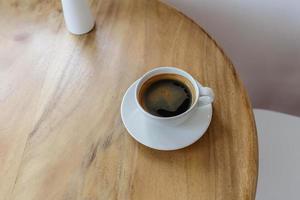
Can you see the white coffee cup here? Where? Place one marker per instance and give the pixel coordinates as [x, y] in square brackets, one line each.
[203, 96]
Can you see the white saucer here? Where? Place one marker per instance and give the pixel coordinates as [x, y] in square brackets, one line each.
[159, 136]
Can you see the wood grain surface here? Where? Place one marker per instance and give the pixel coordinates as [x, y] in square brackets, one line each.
[61, 135]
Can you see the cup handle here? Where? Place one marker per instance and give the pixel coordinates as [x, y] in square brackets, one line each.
[206, 95]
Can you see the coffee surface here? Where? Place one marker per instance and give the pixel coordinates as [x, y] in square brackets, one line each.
[166, 95]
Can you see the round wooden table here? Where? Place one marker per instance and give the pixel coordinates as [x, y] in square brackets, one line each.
[61, 134]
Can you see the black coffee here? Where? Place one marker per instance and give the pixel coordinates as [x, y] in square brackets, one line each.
[166, 95]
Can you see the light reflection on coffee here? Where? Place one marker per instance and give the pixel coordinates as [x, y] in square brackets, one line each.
[166, 95]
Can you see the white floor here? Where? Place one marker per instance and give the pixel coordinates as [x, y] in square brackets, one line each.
[279, 156]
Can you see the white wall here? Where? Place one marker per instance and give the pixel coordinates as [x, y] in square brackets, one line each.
[262, 38]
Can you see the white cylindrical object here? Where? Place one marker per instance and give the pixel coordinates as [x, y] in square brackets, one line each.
[78, 16]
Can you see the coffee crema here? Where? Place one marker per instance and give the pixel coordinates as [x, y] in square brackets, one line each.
[166, 95]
